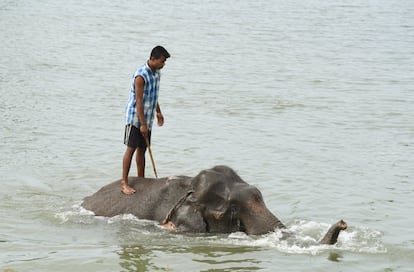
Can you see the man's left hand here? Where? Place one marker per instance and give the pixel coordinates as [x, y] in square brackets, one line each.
[160, 119]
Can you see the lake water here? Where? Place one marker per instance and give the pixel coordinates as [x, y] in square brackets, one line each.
[310, 101]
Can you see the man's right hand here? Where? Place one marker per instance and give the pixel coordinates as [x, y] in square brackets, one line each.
[144, 130]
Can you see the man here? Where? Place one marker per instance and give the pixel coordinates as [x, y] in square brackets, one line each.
[140, 111]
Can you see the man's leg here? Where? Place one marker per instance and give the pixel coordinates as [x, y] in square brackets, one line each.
[140, 157]
[126, 165]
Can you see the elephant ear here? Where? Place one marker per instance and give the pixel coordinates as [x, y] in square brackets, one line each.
[212, 190]
[188, 219]
[183, 217]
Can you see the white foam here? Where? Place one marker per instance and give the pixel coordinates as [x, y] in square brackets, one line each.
[123, 217]
[301, 237]
[362, 240]
[76, 212]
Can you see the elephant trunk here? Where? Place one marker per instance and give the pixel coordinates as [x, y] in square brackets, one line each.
[259, 220]
[331, 237]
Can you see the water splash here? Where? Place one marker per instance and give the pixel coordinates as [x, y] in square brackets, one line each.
[300, 237]
[364, 240]
[77, 214]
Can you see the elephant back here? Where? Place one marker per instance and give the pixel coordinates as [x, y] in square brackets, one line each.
[152, 200]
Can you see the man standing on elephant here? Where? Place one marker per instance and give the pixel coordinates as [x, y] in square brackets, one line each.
[140, 112]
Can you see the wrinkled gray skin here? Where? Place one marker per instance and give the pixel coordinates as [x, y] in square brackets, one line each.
[216, 201]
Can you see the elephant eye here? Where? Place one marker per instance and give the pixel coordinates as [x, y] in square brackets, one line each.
[257, 197]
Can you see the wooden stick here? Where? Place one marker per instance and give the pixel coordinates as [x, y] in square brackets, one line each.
[152, 158]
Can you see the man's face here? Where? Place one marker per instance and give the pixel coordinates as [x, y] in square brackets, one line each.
[159, 63]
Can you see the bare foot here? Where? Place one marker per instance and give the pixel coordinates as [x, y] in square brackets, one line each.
[126, 189]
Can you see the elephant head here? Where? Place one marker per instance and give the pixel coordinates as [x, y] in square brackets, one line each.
[221, 202]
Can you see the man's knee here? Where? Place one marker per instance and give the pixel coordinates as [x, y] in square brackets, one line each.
[141, 152]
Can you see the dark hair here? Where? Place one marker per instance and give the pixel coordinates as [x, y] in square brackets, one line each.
[159, 51]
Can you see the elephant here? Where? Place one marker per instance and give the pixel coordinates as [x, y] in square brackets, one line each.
[217, 200]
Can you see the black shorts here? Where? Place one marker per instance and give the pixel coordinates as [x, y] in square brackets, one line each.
[134, 138]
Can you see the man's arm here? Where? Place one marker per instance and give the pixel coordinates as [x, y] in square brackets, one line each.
[139, 94]
[160, 117]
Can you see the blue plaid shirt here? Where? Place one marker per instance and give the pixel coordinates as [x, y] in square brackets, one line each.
[149, 100]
